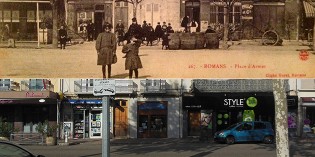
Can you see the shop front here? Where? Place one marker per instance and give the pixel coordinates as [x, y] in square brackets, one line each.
[152, 119]
[217, 111]
[27, 109]
[84, 118]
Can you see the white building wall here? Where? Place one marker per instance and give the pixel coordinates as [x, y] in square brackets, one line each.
[132, 117]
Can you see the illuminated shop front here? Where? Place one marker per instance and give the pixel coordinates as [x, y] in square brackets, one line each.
[217, 104]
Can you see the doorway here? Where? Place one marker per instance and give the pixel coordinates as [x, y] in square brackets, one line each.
[192, 9]
[98, 23]
[121, 119]
[194, 123]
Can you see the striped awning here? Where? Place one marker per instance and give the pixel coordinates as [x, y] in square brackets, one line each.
[309, 9]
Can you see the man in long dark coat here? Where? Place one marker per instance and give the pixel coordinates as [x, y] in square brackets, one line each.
[63, 35]
[134, 30]
[158, 31]
[106, 49]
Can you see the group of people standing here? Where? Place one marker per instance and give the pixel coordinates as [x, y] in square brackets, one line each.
[145, 32]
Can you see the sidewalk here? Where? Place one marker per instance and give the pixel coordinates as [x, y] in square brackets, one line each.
[295, 140]
[135, 141]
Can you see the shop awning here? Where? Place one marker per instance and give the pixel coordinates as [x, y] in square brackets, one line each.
[85, 101]
[309, 9]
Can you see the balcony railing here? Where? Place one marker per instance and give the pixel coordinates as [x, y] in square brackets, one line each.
[153, 86]
[37, 85]
[9, 85]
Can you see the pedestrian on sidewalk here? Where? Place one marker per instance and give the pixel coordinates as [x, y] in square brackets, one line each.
[62, 37]
[133, 62]
[165, 41]
[106, 50]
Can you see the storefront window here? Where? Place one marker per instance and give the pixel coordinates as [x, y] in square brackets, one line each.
[217, 14]
[5, 83]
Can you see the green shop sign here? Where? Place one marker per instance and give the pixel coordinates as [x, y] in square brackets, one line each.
[251, 102]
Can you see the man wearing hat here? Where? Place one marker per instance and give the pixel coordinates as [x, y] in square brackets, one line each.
[158, 31]
[106, 49]
[120, 30]
[134, 30]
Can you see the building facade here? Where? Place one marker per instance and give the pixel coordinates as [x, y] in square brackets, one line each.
[27, 103]
[171, 108]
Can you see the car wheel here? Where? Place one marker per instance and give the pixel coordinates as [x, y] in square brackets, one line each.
[230, 140]
[268, 139]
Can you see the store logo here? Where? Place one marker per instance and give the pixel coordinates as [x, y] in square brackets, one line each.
[251, 102]
[234, 102]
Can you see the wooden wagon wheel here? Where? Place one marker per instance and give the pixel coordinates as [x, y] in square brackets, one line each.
[270, 38]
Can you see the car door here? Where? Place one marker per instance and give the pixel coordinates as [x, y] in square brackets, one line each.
[259, 131]
[243, 132]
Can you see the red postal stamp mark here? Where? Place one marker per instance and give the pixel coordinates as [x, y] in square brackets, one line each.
[304, 55]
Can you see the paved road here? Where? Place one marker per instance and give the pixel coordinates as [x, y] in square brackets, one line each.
[243, 60]
[182, 148]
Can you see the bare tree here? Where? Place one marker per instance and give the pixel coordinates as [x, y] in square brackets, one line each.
[228, 6]
[58, 9]
[134, 3]
[313, 5]
[281, 119]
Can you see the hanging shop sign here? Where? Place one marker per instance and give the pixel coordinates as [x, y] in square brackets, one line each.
[103, 87]
[247, 10]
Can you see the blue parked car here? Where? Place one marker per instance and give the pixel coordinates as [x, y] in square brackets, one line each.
[246, 131]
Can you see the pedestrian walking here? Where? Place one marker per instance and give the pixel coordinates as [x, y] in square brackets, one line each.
[133, 62]
[134, 30]
[165, 42]
[150, 34]
[106, 50]
[63, 35]
[158, 31]
[164, 27]
[120, 30]
[90, 31]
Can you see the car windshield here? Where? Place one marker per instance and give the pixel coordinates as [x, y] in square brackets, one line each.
[232, 126]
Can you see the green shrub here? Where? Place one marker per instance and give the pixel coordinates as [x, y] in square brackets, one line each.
[46, 130]
[6, 128]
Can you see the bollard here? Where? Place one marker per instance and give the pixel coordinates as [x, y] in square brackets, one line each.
[66, 137]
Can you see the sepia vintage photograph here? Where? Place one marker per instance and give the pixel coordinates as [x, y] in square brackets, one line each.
[157, 39]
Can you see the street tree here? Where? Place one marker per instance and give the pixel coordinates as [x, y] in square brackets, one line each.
[134, 3]
[58, 9]
[313, 5]
[228, 7]
[281, 118]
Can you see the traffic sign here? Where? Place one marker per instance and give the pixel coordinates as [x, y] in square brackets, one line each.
[102, 87]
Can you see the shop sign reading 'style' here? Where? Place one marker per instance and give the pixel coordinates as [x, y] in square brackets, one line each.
[103, 87]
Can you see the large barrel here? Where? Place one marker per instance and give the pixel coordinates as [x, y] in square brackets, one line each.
[212, 40]
[187, 41]
[200, 40]
[174, 42]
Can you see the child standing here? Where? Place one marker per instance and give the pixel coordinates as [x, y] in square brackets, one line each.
[165, 41]
[133, 62]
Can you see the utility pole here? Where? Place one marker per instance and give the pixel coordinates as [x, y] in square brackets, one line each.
[281, 118]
